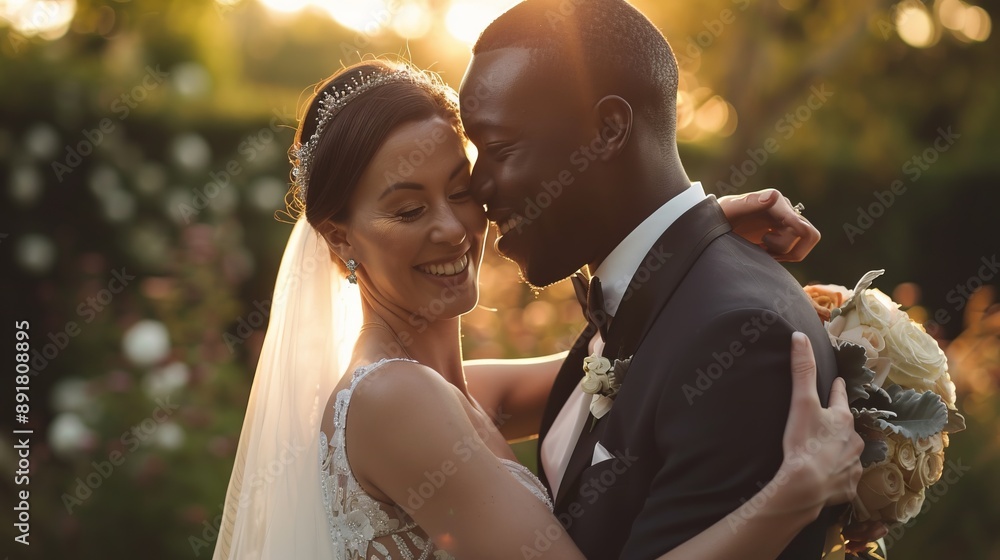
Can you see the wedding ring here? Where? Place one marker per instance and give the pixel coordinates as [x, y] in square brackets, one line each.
[799, 208]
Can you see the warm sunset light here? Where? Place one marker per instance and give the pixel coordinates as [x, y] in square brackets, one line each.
[48, 19]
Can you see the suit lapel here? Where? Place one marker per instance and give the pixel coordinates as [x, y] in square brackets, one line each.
[683, 242]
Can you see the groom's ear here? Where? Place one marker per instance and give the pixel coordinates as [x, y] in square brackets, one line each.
[335, 236]
[615, 115]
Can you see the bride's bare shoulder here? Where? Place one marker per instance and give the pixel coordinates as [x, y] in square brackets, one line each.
[402, 387]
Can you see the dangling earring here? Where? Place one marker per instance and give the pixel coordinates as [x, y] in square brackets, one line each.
[352, 265]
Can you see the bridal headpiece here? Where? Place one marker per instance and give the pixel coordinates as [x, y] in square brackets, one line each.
[331, 103]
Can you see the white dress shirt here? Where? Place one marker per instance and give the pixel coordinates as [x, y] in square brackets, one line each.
[615, 273]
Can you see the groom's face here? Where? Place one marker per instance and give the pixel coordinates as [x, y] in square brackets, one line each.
[530, 172]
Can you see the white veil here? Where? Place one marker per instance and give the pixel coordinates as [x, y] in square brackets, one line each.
[274, 504]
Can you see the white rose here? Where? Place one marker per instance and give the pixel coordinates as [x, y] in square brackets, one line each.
[917, 360]
[906, 508]
[594, 383]
[880, 486]
[946, 389]
[931, 444]
[906, 453]
[930, 467]
[596, 364]
[873, 343]
[876, 309]
[843, 323]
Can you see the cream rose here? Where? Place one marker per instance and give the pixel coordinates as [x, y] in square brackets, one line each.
[876, 309]
[930, 467]
[946, 389]
[880, 486]
[873, 342]
[931, 444]
[906, 508]
[845, 322]
[906, 453]
[917, 360]
[595, 378]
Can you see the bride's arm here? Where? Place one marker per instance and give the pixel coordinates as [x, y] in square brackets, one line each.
[806, 481]
[410, 439]
[514, 392]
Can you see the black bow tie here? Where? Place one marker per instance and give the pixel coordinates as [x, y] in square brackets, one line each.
[591, 298]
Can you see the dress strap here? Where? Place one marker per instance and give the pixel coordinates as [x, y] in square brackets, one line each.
[363, 371]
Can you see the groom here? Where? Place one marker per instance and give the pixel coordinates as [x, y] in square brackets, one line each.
[578, 165]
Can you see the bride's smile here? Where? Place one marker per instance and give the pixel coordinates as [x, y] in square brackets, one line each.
[415, 229]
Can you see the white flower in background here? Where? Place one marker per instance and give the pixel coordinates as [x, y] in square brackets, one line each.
[42, 142]
[118, 207]
[68, 435]
[25, 184]
[150, 178]
[190, 79]
[169, 435]
[35, 253]
[146, 342]
[267, 194]
[191, 152]
[70, 395]
[104, 181]
[161, 382]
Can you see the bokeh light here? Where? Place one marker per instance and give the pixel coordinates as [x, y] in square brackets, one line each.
[915, 25]
[466, 19]
[49, 19]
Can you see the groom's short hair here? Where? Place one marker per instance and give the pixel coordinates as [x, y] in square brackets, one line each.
[607, 42]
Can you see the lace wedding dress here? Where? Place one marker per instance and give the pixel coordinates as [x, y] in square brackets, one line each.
[363, 528]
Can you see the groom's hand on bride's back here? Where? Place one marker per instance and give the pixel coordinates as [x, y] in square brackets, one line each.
[769, 220]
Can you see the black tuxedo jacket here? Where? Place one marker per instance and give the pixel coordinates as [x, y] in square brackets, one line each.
[697, 427]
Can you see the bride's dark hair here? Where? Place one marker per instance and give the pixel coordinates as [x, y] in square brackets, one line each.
[353, 136]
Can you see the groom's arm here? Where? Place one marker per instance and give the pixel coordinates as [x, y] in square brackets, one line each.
[719, 426]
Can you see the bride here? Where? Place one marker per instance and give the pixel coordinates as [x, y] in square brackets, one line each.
[406, 455]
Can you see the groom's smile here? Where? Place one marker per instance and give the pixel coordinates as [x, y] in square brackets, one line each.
[526, 128]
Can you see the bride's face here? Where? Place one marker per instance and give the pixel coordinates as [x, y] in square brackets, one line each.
[413, 225]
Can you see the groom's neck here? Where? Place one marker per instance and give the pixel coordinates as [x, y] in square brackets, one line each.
[644, 188]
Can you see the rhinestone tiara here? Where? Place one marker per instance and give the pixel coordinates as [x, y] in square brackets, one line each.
[331, 104]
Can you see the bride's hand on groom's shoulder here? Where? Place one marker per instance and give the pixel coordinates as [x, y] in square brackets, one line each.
[822, 451]
[768, 219]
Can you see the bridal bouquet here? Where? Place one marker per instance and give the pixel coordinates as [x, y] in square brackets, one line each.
[901, 395]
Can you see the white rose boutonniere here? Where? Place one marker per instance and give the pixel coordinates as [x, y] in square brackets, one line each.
[602, 379]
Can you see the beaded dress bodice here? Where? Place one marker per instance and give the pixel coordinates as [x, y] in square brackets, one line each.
[363, 528]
